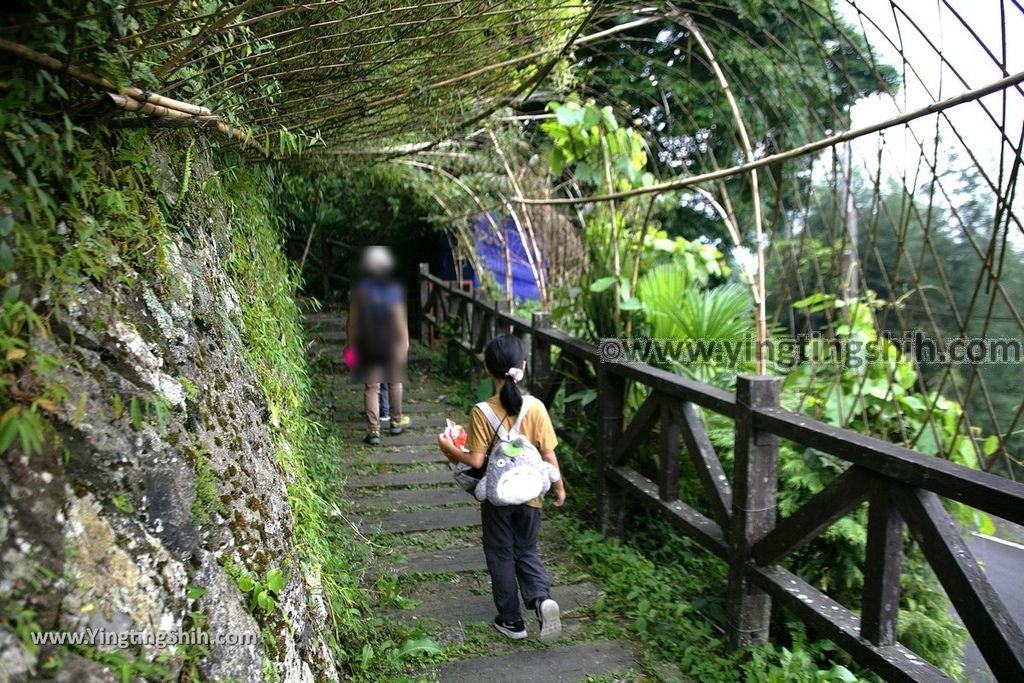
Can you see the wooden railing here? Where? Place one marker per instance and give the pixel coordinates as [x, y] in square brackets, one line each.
[902, 487]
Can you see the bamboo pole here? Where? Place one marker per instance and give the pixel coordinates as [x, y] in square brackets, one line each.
[163, 115]
[761, 330]
[135, 99]
[614, 232]
[794, 153]
[534, 255]
[53, 64]
[501, 237]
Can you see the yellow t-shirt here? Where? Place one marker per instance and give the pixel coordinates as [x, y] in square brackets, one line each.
[536, 427]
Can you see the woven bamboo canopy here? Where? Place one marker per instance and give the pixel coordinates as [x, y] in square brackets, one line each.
[903, 121]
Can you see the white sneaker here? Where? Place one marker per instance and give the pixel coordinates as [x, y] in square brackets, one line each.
[385, 419]
[550, 617]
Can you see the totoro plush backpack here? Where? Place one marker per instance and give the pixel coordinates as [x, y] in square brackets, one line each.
[515, 472]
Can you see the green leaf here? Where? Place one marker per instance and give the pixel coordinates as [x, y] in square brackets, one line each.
[195, 592]
[135, 410]
[11, 294]
[814, 300]
[265, 601]
[570, 115]
[246, 584]
[990, 445]
[8, 428]
[631, 304]
[418, 646]
[602, 284]
[275, 580]
[6, 257]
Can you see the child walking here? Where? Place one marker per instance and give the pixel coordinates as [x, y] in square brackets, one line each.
[510, 531]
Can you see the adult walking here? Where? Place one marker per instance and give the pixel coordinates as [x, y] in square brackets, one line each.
[379, 332]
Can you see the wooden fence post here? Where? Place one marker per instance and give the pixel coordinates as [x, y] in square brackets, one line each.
[500, 306]
[882, 562]
[668, 471]
[611, 394]
[424, 298]
[755, 482]
[478, 328]
[540, 354]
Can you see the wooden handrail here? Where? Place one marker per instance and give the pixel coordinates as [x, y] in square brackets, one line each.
[984, 491]
[900, 484]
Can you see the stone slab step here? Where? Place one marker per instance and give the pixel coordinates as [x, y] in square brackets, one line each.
[428, 423]
[439, 603]
[452, 560]
[397, 499]
[316, 319]
[409, 438]
[399, 479]
[407, 457]
[412, 390]
[435, 412]
[432, 519]
[569, 664]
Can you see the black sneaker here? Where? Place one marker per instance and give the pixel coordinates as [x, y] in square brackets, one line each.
[372, 439]
[550, 618]
[516, 630]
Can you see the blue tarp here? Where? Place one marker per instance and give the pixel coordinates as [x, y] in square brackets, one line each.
[492, 257]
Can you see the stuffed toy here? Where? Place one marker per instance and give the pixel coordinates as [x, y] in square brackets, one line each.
[516, 474]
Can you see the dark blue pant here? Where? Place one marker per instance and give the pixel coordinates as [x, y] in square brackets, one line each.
[510, 546]
[385, 400]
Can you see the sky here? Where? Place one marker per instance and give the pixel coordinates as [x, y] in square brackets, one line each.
[938, 68]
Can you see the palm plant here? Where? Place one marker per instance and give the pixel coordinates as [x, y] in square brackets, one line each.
[677, 307]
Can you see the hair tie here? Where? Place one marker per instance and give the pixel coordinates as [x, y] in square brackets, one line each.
[515, 373]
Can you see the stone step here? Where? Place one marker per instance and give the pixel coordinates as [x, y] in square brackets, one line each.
[569, 664]
[436, 602]
[432, 519]
[450, 561]
[409, 438]
[396, 499]
[418, 441]
[411, 394]
[431, 410]
[436, 409]
[399, 479]
[407, 457]
[324, 319]
[424, 423]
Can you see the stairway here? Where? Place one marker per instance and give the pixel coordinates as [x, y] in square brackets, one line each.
[402, 495]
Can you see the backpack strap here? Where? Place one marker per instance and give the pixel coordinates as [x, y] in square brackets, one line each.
[492, 418]
[527, 402]
[496, 424]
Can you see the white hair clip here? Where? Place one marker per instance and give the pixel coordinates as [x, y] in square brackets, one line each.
[515, 373]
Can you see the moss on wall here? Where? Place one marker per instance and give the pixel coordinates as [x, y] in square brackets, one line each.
[154, 386]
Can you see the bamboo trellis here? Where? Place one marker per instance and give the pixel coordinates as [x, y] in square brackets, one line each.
[848, 198]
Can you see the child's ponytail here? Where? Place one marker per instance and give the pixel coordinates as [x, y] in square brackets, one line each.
[504, 358]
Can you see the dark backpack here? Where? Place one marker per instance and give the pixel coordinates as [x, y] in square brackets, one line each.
[376, 333]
